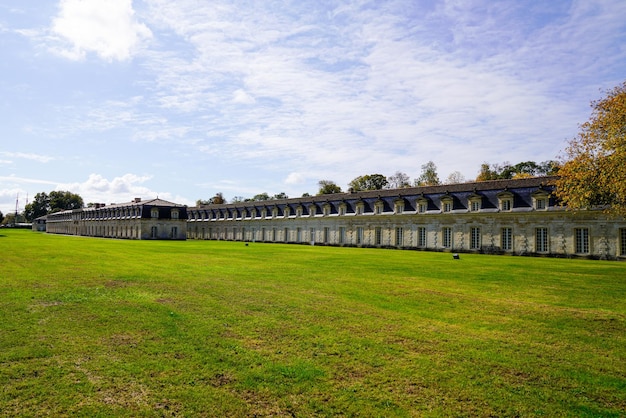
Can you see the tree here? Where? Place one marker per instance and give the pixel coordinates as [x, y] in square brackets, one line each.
[280, 196]
[328, 187]
[237, 199]
[398, 180]
[60, 200]
[40, 206]
[368, 182]
[1, 217]
[429, 176]
[455, 178]
[594, 171]
[218, 199]
[56, 201]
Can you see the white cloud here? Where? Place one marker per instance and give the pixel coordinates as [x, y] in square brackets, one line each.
[295, 178]
[27, 156]
[117, 190]
[107, 28]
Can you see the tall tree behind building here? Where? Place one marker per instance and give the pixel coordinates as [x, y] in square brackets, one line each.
[594, 170]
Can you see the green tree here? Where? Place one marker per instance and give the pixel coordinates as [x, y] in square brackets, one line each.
[40, 206]
[280, 196]
[62, 200]
[429, 176]
[368, 182]
[1, 217]
[55, 201]
[261, 196]
[328, 187]
[594, 170]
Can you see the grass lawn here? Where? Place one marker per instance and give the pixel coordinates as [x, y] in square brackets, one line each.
[97, 327]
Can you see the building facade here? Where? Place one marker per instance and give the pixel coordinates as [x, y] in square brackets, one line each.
[150, 219]
[519, 217]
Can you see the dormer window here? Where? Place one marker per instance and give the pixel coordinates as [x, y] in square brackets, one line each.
[342, 209]
[540, 199]
[446, 203]
[505, 201]
[298, 211]
[274, 212]
[174, 213]
[287, 211]
[360, 208]
[475, 202]
[312, 210]
[399, 206]
[378, 207]
[422, 205]
[326, 209]
[154, 213]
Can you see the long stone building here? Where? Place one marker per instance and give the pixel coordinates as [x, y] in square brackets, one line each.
[150, 219]
[520, 217]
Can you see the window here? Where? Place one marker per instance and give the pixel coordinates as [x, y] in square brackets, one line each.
[475, 206]
[342, 234]
[506, 239]
[399, 236]
[447, 237]
[359, 208]
[541, 240]
[359, 235]
[475, 238]
[326, 209]
[378, 208]
[342, 210]
[378, 235]
[312, 210]
[582, 240]
[622, 241]
[505, 205]
[421, 236]
[540, 204]
[153, 232]
[174, 232]
[447, 206]
[422, 207]
[298, 235]
[326, 234]
[174, 213]
[286, 235]
[154, 212]
[399, 206]
[312, 235]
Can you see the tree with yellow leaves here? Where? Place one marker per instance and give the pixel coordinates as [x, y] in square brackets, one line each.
[594, 171]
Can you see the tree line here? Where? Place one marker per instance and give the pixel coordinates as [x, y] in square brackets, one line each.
[428, 177]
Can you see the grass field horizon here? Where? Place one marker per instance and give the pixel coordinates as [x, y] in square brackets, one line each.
[101, 327]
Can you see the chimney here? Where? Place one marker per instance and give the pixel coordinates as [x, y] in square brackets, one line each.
[137, 200]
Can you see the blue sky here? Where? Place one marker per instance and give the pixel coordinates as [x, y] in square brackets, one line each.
[182, 99]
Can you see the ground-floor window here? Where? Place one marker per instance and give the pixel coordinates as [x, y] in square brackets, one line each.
[399, 236]
[475, 238]
[541, 240]
[174, 232]
[582, 240]
[298, 235]
[312, 235]
[359, 235]
[153, 232]
[421, 236]
[447, 237]
[378, 235]
[286, 235]
[342, 234]
[622, 241]
[326, 234]
[506, 239]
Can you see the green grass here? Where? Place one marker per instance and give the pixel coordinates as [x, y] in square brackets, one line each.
[96, 327]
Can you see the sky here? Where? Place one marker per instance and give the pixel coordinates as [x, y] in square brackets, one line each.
[183, 99]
